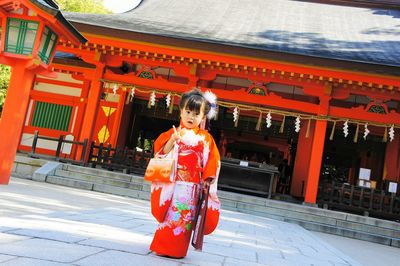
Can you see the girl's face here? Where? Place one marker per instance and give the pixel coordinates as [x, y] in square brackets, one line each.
[191, 119]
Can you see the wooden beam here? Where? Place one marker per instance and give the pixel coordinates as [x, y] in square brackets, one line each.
[334, 74]
[232, 96]
[359, 113]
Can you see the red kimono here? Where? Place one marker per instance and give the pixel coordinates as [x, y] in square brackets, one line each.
[174, 204]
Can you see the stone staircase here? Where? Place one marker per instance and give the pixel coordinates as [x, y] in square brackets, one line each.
[312, 218]
[101, 181]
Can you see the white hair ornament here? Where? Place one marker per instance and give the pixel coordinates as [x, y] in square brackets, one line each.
[212, 99]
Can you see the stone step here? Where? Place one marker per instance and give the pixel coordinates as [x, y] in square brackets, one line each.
[362, 234]
[123, 181]
[24, 166]
[69, 182]
[99, 172]
[347, 232]
[312, 218]
[91, 176]
[287, 211]
[280, 207]
[104, 188]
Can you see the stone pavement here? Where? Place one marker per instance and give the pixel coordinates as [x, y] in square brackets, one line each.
[43, 224]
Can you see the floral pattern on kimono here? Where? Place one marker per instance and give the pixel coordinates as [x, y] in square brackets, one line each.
[180, 215]
[174, 204]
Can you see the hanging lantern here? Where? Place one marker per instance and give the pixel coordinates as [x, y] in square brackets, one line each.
[297, 124]
[391, 133]
[366, 131]
[346, 128]
[268, 120]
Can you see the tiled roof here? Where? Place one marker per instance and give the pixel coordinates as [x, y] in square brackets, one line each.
[370, 35]
[51, 7]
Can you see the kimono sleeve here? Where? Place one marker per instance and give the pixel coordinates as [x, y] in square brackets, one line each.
[211, 169]
[161, 140]
[212, 165]
[161, 193]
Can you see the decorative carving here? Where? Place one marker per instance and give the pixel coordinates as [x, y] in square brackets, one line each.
[378, 109]
[377, 106]
[146, 73]
[258, 89]
[16, 5]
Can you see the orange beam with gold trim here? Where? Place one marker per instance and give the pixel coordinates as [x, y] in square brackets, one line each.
[271, 100]
[233, 96]
[72, 69]
[223, 59]
[359, 113]
[58, 82]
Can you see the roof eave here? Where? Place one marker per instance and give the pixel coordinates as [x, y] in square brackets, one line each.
[265, 53]
[56, 13]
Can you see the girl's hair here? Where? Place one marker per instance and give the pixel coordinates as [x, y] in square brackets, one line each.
[194, 101]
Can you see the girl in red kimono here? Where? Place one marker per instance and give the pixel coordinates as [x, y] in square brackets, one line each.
[198, 164]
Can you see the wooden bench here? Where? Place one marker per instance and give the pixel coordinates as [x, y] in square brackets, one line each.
[249, 179]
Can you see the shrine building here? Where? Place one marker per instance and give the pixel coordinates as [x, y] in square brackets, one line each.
[313, 83]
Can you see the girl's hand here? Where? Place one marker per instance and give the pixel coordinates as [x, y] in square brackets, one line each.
[208, 182]
[171, 142]
[176, 136]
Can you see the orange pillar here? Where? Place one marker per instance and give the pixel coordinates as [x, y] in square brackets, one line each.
[317, 151]
[302, 161]
[92, 106]
[392, 160]
[13, 116]
[117, 120]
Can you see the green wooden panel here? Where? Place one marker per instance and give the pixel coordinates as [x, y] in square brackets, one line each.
[52, 116]
[67, 121]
